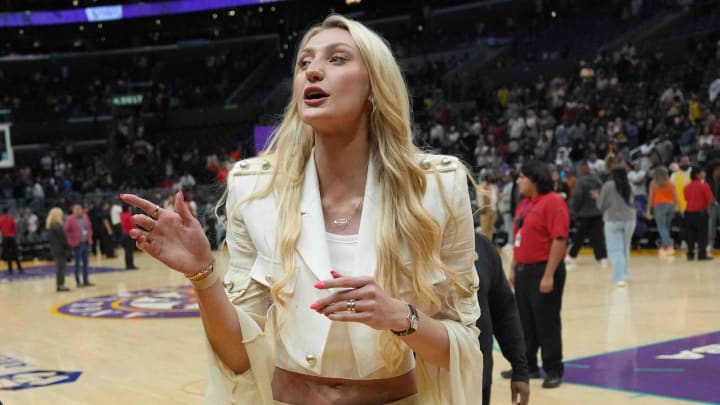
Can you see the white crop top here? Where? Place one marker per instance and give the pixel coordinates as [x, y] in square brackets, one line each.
[339, 360]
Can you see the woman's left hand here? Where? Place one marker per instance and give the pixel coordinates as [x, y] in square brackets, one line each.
[372, 306]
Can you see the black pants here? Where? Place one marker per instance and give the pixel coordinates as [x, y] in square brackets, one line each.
[129, 246]
[10, 253]
[591, 227]
[540, 316]
[486, 395]
[696, 225]
[60, 262]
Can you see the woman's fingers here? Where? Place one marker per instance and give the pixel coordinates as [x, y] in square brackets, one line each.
[139, 202]
[182, 209]
[143, 221]
[350, 305]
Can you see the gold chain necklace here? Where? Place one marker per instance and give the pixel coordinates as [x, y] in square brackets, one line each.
[342, 222]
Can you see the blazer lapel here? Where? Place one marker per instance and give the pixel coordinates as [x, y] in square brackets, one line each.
[366, 257]
[312, 244]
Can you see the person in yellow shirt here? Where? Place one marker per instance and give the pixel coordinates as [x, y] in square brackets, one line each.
[680, 179]
[694, 110]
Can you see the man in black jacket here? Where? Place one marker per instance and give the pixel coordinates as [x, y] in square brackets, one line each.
[499, 316]
[587, 216]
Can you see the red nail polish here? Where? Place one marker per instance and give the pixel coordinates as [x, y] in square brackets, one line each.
[319, 284]
[334, 273]
[314, 306]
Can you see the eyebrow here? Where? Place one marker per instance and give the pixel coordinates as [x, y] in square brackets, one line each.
[329, 46]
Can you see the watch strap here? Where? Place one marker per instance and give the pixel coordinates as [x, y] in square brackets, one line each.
[413, 321]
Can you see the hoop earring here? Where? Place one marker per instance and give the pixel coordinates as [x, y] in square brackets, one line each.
[372, 102]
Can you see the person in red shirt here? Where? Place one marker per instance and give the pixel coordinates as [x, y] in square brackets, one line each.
[542, 224]
[699, 199]
[8, 228]
[126, 224]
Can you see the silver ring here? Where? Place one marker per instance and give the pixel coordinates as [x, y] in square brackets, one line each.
[351, 306]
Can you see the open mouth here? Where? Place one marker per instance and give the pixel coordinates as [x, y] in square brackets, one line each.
[314, 94]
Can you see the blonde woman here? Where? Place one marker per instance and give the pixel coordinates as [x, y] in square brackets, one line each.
[349, 249]
[55, 226]
[664, 202]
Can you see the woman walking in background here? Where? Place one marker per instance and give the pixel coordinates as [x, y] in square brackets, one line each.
[616, 204]
[664, 200]
[58, 245]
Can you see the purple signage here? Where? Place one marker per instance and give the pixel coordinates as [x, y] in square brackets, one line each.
[118, 12]
[17, 375]
[687, 368]
[261, 135]
[173, 302]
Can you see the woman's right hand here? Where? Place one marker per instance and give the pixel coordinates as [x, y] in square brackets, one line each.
[174, 238]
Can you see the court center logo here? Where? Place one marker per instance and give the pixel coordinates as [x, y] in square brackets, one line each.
[173, 302]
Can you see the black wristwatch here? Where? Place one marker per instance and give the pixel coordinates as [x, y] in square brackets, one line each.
[413, 322]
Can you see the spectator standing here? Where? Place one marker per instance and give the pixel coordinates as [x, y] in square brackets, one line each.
[638, 183]
[78, 230]
[542, 224]
[616, 204]
[126, 224]
[8, 228]
[699, 200]
[588, 216]
[58, 245]
[115, 212]
[106, 231]
[681, 178]
[664, 201]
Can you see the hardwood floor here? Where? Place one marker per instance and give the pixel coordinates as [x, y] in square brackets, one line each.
[145, 356]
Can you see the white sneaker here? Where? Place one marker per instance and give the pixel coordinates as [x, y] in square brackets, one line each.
[621, 284]
[569, 261]
[604, 263]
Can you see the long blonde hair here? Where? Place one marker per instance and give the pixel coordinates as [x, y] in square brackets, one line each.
[661, 176]
[55, 216]
[404, 222]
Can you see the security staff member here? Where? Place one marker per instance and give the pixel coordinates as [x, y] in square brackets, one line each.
[541, 228]
[699, 199]
[500, 318]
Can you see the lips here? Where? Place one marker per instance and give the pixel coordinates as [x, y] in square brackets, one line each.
[314, 96]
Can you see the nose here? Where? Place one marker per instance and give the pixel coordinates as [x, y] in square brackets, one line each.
[313, 73]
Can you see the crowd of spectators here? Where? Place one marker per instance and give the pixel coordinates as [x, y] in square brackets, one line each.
[626, 103]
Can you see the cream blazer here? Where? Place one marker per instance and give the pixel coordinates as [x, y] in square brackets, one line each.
[253, 268]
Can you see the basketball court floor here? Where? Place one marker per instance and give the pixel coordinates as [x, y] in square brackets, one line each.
[135, 337]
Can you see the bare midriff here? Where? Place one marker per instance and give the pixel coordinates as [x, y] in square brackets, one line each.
[302, 389]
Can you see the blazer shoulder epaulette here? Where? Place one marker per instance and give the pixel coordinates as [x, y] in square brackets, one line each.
[252, 166]
[438, 163]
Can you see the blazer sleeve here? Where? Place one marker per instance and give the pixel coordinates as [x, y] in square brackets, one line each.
[252, 301]
[461, 384]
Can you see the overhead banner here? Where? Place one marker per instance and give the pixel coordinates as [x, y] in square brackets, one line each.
[119, 12]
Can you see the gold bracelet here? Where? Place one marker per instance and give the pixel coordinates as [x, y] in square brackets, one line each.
[206, 282]
[203, 273]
